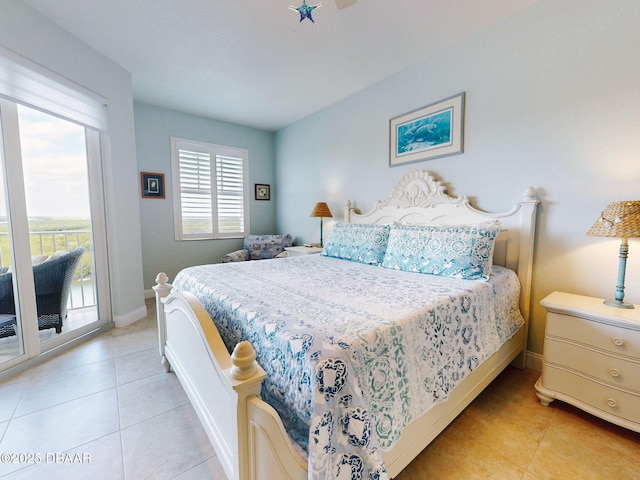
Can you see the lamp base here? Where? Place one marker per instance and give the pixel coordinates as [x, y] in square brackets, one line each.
[615, 303]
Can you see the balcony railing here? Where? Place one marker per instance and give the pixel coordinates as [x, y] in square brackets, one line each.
[47, 243]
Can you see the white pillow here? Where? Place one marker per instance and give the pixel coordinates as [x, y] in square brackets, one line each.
[57, 254]
[35, 260]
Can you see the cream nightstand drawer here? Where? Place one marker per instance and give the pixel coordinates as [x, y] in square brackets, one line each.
[616, 371]
[600, 335]
[582, 391]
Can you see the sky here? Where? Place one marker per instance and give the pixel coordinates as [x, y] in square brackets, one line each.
[54, 165]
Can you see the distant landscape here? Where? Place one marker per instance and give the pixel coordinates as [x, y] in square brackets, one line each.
[52, 234]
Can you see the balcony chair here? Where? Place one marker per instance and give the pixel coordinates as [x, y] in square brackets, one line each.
[52, 280]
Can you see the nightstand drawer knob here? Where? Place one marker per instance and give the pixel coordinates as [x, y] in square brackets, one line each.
[612, 402]
[614, 372]
[618, 342]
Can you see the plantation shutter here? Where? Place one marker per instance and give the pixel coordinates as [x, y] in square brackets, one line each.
[195, 192]
[210, 190]
[230, 191]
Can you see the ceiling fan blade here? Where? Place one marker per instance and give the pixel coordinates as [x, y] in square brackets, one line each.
[344, 3]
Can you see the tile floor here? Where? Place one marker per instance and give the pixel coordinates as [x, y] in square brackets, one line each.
[107, 410]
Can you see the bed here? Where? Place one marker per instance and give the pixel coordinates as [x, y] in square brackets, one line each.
[336, 365]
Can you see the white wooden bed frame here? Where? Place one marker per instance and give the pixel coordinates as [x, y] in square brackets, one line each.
[247, 433]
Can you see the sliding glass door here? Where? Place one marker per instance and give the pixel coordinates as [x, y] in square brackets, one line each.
[11, 344]
[56, 183]
[52, 245]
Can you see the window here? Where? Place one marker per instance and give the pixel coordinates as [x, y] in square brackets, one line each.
[210, 190]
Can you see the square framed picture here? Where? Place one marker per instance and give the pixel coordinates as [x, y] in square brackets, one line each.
[436, 130]
[263, 191]
[152, 185]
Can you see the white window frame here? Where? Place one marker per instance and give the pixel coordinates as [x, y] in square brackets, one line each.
[216, 153]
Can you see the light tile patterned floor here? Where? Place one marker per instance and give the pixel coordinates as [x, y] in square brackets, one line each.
[109, 400]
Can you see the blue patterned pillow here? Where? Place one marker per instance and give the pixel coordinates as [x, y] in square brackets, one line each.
[459, 251]
[359, 243]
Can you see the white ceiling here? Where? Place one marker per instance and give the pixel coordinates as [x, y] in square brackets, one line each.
[252, 62]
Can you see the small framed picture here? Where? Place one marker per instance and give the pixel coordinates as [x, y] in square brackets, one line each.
[263, 191]
[152, 185]
[436, 130]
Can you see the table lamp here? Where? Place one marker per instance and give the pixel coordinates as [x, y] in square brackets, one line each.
[321, 210]
[622, 220]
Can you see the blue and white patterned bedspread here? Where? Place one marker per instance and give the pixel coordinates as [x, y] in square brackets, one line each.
[354, 352]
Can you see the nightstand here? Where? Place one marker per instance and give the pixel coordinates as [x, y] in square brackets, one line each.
[297, 251]
[591, 358]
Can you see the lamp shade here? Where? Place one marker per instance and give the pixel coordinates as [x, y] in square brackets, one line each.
[619, 219]
[321, 210]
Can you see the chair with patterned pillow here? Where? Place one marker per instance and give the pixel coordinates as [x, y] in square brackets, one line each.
[259, 247]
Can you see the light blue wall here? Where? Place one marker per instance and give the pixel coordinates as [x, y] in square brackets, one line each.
[154, 127]
[553, 101]
[28, 33]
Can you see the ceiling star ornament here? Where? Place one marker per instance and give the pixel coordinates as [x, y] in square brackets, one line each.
[305, 10]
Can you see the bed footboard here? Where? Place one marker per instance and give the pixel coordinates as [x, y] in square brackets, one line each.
[246, 433]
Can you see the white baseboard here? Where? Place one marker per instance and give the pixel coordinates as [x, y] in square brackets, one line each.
[130, 317]
[534, 361]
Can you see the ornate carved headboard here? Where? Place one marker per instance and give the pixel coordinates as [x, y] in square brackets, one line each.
[419, 199]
